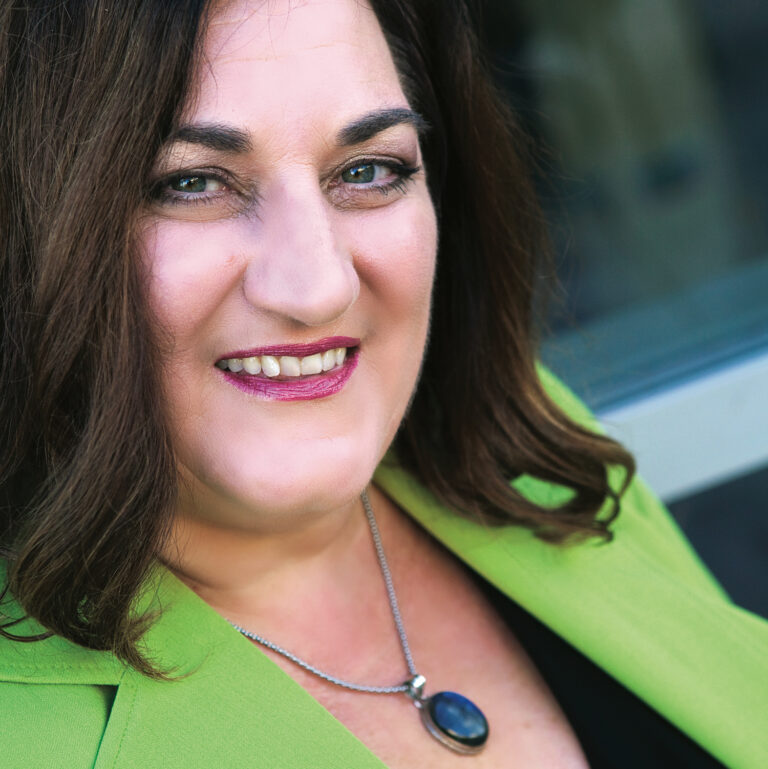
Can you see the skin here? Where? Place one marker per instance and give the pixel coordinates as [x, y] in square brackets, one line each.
[278, 246]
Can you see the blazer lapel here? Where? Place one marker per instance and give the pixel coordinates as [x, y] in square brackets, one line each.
[644, 611]
[230, 703]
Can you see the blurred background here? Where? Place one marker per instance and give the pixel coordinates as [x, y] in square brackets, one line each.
[651, 124]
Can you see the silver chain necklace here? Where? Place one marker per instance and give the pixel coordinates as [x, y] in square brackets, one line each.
[453, 720]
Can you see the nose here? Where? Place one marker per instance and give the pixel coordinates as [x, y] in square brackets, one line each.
[298, 269]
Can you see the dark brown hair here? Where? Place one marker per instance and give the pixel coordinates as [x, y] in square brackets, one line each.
[87, 479]
[480, 416]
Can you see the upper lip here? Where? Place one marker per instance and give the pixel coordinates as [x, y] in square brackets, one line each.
[295, 350]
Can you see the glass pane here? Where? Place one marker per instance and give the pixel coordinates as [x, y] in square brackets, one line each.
[653, 117]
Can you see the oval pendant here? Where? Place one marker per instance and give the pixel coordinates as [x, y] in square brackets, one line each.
[455, 721]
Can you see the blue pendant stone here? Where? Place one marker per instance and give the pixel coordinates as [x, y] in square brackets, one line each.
[459, 720]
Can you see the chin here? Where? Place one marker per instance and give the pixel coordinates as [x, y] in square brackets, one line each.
[288, 483]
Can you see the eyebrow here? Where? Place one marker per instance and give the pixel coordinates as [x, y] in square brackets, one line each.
[367, 126]
[221, 138]
[224, 138]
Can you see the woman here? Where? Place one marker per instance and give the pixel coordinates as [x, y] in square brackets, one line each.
[221, 241]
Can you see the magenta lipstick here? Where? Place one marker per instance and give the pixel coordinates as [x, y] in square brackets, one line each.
[292, 385]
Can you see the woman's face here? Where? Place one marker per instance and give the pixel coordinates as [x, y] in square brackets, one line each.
[290, 226]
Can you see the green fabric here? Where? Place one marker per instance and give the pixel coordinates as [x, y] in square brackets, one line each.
[643, 608]
[37, 723]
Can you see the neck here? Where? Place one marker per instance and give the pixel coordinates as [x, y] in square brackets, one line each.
[247, 572]
[317, 590]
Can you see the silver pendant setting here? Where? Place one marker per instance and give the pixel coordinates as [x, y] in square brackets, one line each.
[452, 719]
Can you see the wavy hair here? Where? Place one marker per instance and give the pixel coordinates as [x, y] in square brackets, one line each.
[87, 476]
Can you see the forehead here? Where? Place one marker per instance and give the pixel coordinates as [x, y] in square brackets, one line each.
[305, 64]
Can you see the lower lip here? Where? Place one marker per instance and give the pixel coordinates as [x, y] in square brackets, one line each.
[305, 388]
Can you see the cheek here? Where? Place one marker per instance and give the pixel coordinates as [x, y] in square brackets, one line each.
[188, 273]
[396, 264]
[395, 258]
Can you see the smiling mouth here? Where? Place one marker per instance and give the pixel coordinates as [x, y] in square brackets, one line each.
[293, 372]
[282, 367]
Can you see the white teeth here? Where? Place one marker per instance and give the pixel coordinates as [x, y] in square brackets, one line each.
[312, 364]
[269, 365]
[287, 365]
[290, 366]
[252, 365]
[329, 360]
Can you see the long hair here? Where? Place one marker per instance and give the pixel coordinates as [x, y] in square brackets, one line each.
[88, 96]
[88, 92]
[480, 416]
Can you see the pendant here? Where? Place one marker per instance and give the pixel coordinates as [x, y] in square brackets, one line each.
[452, 719]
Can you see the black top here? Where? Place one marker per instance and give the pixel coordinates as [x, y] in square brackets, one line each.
[616, 729]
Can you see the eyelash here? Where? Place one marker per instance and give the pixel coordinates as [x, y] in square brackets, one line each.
[161, 193]
[403, 176]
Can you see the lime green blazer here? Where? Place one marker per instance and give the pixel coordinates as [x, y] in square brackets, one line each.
[642, 607]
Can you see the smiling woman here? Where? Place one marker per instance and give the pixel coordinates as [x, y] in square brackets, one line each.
[232, 333]
[313, 231]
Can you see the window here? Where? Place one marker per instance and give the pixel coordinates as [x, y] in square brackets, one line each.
[652, 120]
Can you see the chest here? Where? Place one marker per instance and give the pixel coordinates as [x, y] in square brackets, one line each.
[459, 643]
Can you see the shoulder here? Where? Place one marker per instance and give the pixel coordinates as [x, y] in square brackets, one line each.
[55, 697]
[643, 518]
[644, 526]
[49, 718]
[52, 725]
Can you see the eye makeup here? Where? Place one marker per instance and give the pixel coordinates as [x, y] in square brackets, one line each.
[193, 187]
[356, 184]
[199, 176]
[364, 183]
